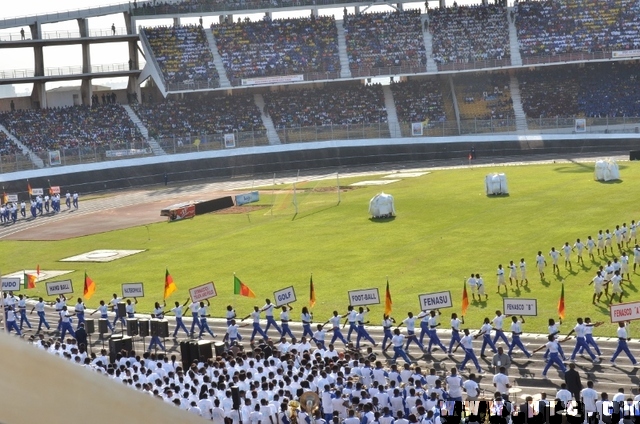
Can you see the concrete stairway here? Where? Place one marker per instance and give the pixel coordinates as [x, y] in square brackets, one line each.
[217, 59]
[153, 144]
[521, 118]
[345, 71]
[392, 115]
[514, 46]
[37, 161]
[428, 45]
[272, 134]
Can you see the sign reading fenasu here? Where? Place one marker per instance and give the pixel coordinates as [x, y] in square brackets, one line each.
[429, 301]
[203, 292]
[625, 311]
[59, 287]
[364, 297]
[284, 296]
[132, 290]
[514, 306]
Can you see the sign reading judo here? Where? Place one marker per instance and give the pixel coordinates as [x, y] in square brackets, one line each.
[132, 290]
[364, 297]
[59, 287]
[382, 206]
[513, 306]
[284, 296]
[10, 284]
[203, 292]
[429, 301]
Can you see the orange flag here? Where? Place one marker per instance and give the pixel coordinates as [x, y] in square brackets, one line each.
[89, 286]
[169, 285]
[312, 293]
[465, 298]
[561, 303]
[38, 269]
[387, 301]
[29, 188]
[241, 288]
[30, 281]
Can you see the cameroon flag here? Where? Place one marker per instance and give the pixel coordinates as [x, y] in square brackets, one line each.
[169, 285]
[242, 289]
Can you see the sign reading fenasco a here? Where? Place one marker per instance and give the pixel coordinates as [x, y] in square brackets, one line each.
[364, 297]
[59, 287]
[437, 300]
[284, 296]
[516, 306]
[132, 290]
[625, 311]
[203, 292]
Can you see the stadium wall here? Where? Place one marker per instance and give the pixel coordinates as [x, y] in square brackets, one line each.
[242, 162]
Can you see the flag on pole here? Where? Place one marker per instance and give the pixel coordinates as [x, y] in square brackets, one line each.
[312, 293]
[470, 156]
[29, 281]
[242, 289]
[561, 303]
[29, 188]
[89, 287]
[465, 298]
[38, 270]
[5, 198]
[169, 285]
[387, 301]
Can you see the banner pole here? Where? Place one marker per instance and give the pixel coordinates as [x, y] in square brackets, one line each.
[273, 193]
[338, 181]
[4, 317]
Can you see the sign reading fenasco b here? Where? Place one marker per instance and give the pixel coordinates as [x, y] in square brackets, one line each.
[516, 306]
[438, 300]
[10, 284]
[625, 311]
[284, 296]
[364, 297]
[59, 287]
[203, 292]
[132, 290]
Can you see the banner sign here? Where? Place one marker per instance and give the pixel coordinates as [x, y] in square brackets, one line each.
[12, 198]
[203, 292]
[284, 296]
[429, 301]
[416, 129]
[54, 190]
[243, 199]
[229, 141]
[184, 212]
[37, 192]
[514, 306]
[59, 287]
[126, 152]
[132, 290]
[11, 284]
[364, 297]
[272, 80]
[581, 125]
[626, 53]
[625, 311]
[54, 157]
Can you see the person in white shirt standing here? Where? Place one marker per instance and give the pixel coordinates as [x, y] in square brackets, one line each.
[523, 272]
[513, 274]
[473, 287]
[579, 246]
[471, 387]
[567, 255]
[590, 246]
[541, 263]
[623, 338]
[501, 280]
[589, 399]
[616, 282]
[563, 394]
[554, 255]
[501, 383]
[454, 385]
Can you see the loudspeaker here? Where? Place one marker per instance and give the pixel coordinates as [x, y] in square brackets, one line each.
[235, 395]
[132, 327]
[90, 326]
[194, 351]
[634, 155]
[219, 348]
[103, 328]
[205, 349]
[160, 328]
[143, 328]
[185, 354]
[119, 343]
[122, 310]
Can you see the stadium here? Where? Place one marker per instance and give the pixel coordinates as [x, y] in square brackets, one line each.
[285, 119]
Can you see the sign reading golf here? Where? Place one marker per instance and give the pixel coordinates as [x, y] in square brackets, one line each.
[429, 301]
[284, 296]
[59, 287]
[132, 290]
[512, 306]
[203, 292]
[364, 297]
[10, 284]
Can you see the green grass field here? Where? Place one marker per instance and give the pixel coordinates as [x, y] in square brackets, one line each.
[445, 229]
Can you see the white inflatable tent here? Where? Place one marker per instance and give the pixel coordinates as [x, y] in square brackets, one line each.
[382, 206]
[607, 170]
[496, 184]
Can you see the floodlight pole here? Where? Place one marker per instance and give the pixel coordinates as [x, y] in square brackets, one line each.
[295, 198]
[273, 193]
[338, 182]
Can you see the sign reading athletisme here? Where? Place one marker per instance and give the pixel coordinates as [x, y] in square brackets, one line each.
[59, 287]
[364, 297]
[284, 296]
[438, 300]
[526, 307]
[132, 290]
[624, 311]
[10, 284]
[203, 292]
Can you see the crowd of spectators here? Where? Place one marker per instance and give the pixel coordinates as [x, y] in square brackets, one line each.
[595, 90]
[566, 26]
[71, 127]
[6, 146]
[468, 34]
[183, 54]
[419, 101]
[489, 92]
[377, 40]
[333, 104]
[200, 114]
[198, 6]
[278, 47]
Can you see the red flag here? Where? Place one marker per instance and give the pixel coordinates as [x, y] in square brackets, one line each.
[5, 198]
[169, 285]
[38, 270]
[241, 288]
[470, 156]
[465, 298]
[89, 287]
[561, 303]
[312, 293]
[387, 301]
[29, 188]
